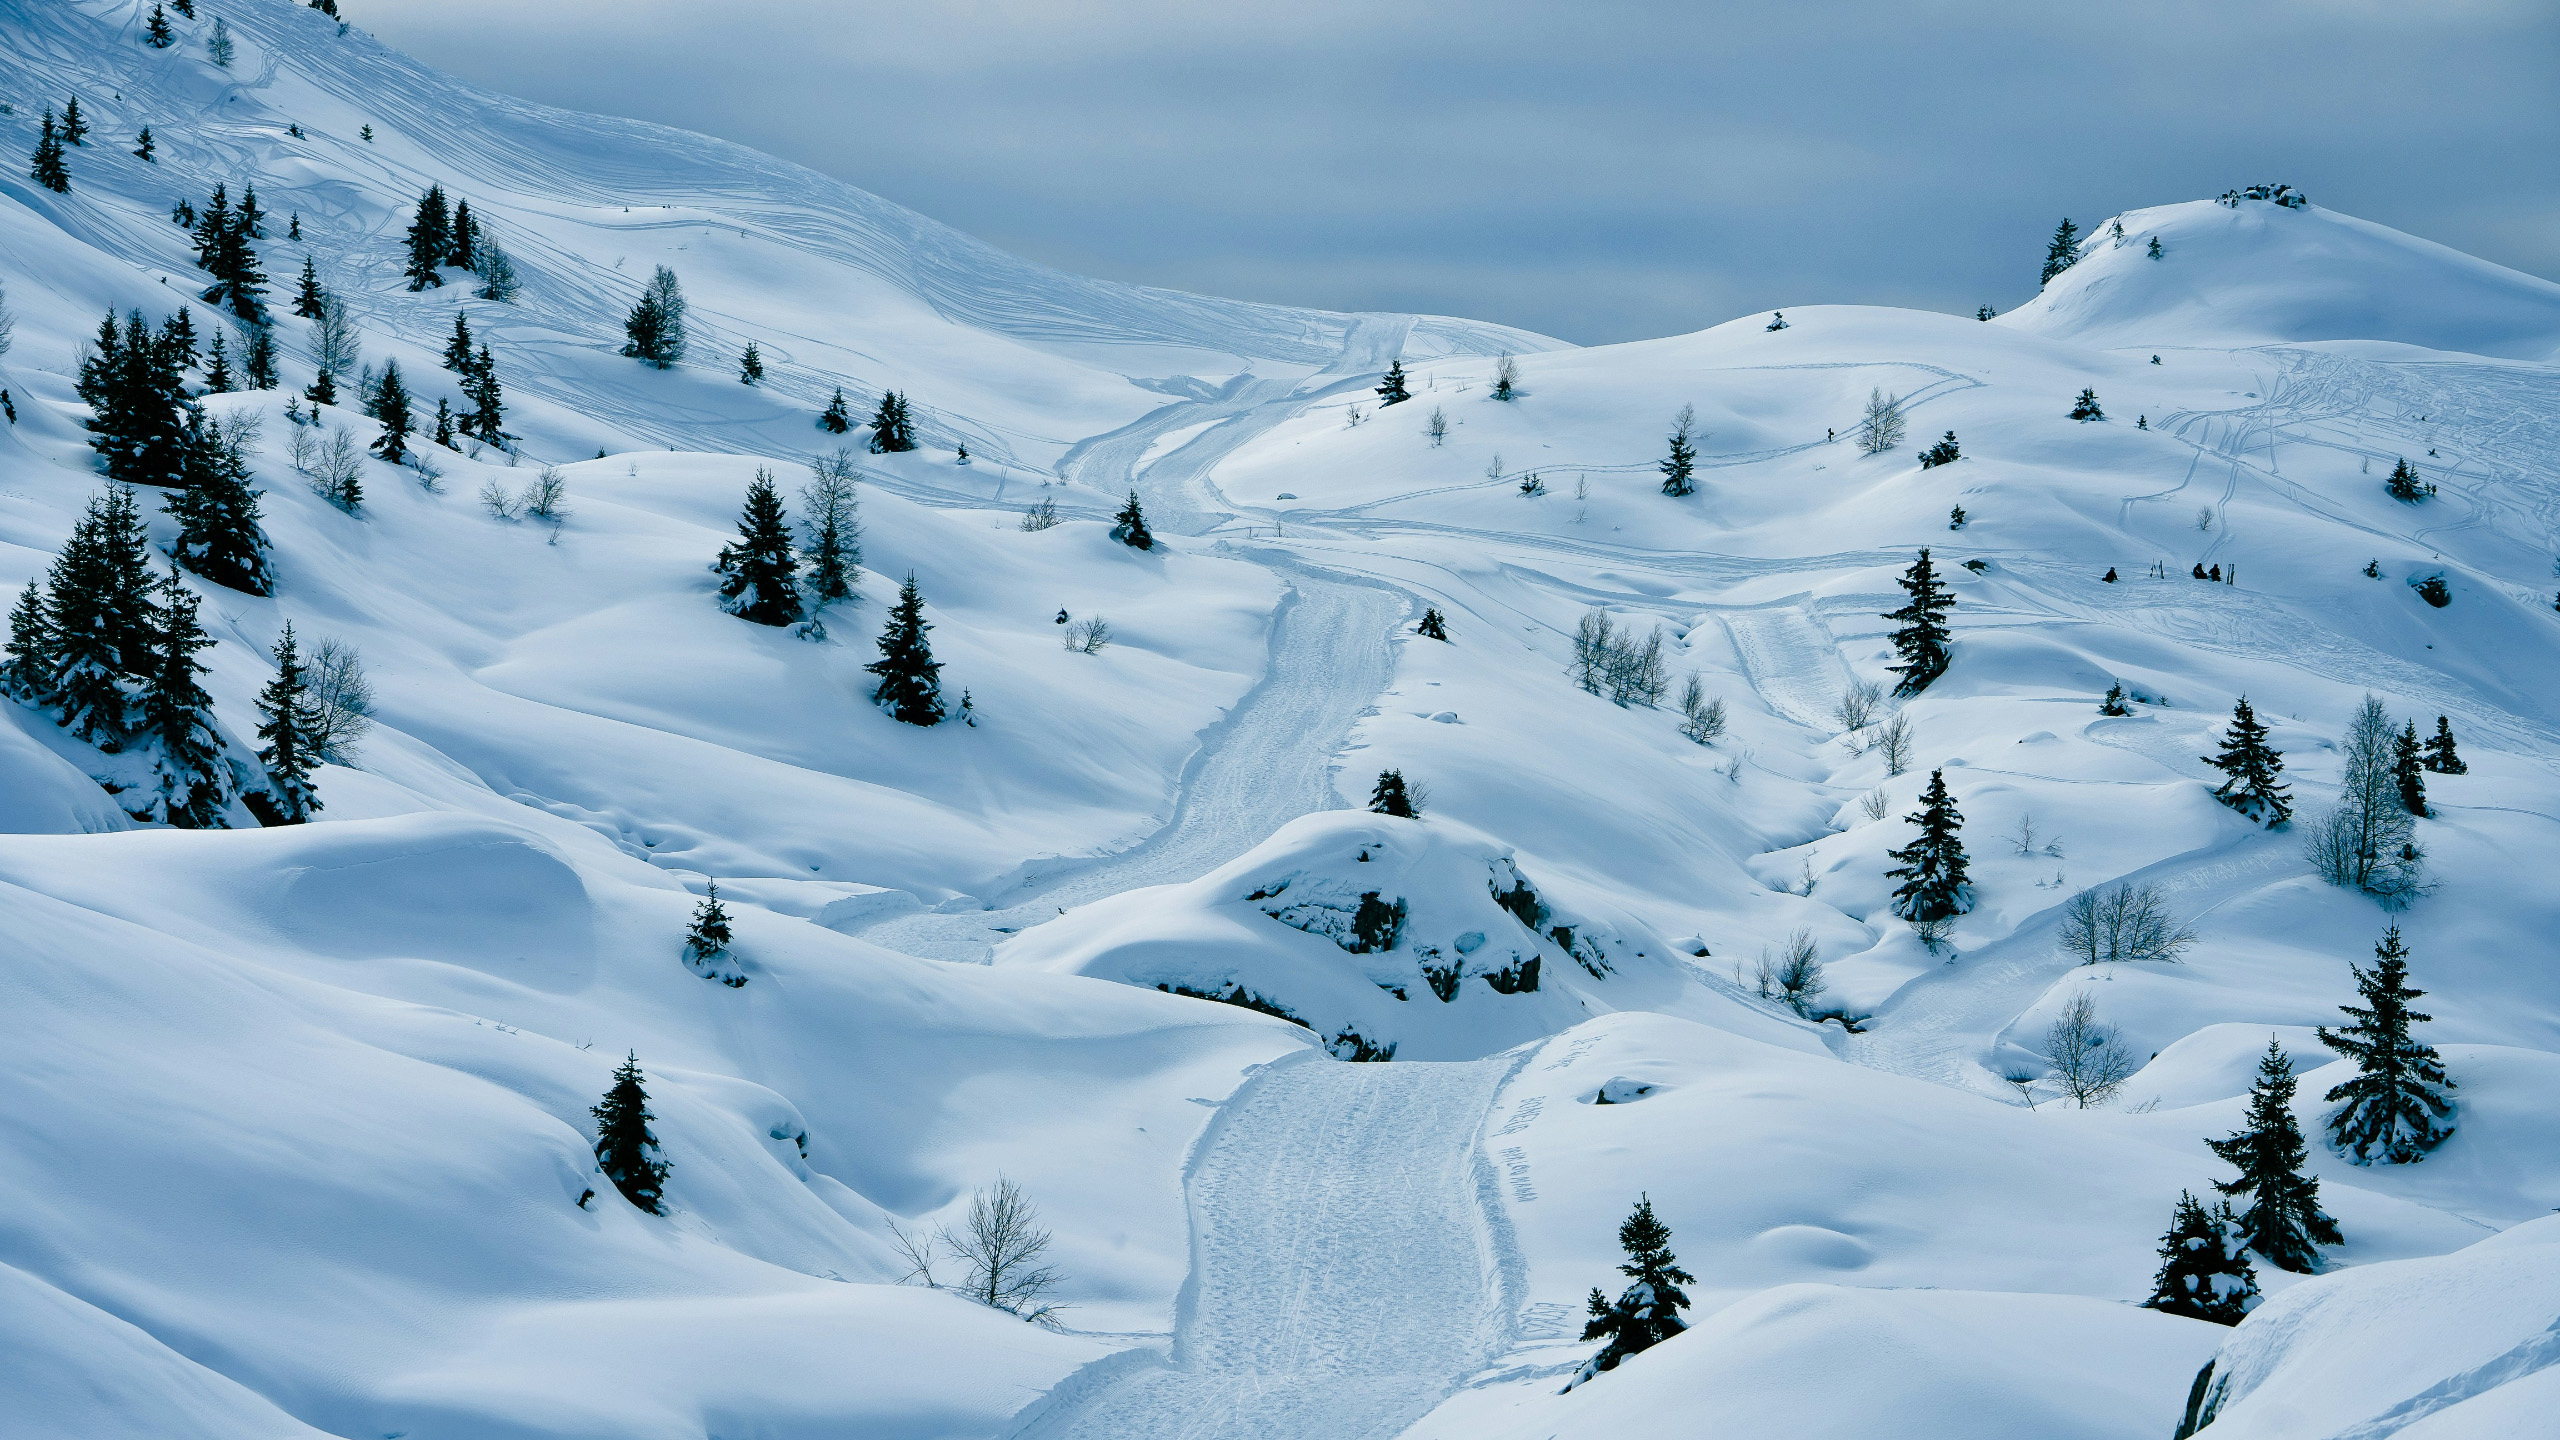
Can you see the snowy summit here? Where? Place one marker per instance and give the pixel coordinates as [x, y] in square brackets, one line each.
[648, 797]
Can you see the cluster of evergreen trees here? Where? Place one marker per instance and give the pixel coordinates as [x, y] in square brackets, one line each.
[440, 236]
[654, 332]
[893, 430]
[47, 168]
[485, 419]
[222, 236]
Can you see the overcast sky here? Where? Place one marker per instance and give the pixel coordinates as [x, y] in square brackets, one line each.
[1595, 169]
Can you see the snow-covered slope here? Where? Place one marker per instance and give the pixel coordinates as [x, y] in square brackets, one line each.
[293, 1123]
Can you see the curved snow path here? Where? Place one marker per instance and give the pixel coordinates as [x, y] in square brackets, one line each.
[1347, 1272]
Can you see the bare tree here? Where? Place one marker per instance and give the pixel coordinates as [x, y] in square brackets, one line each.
[337, 470]
[2090, 1062]
[1043, 516]
[2368, 840]
[1882, 428]
[1594, 638]
[1438, 427]
[1089, 636]
[1857, 706]
[1893, 742]
[1506, 377]
[1876, 804]
[341, 701]
[498, 500]
[1702, 719]
[2024, 1082]
[334, 347]
[1637, 673]
[544, 495]
[1002, 1243]
[1933, 933]
[1798, 968]
[302, 449]
[917, 1251]
[2204, 517]
[2128, 922]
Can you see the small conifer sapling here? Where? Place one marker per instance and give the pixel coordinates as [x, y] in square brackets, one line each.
[2086, 407]
[707, 941]
[2205, 1272]
[1390, 797]
[1680, 466]
[1433, 627]
[626, 1149]
[1129, 527]
[1391, 390]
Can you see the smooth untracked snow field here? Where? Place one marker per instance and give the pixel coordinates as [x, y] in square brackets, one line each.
[294, 1123]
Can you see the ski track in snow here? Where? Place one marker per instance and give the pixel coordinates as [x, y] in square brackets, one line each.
[1346, 1275]
[1792, 660]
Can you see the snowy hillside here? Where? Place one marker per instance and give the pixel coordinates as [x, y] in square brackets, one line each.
[1332, 1115]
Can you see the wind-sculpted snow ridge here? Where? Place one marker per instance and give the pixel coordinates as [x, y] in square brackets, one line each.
[1346, 1274]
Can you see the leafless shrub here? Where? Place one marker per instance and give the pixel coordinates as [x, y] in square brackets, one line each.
[2090, 1062]
[1002, 1242]
[302, 448]
[1733, 769]
[1593, 640]
[498, 500]
[430, 474]
[334, 347]
[2204, 517]
[1438, 427]
[341, 701]
[1876, 804]
[1882, 428]
[1857, 706]
[2024, 1082]
[1798, 970]
[1493, 468]
[1933, 933]
[1893, 743]
[1043, 516]
[2027, 841]
[1506, 377]
[337, 470]
[917, 1251]
[8, 321]
[1088, 637]
[1765, 977]
[1637, 674]
[543, 495]
[2128, 922]
[1701, 719]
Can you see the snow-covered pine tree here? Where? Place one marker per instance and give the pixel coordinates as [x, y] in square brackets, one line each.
[27, 673]
[2205, 1272]
[291, 751]
[837, 419]
[136, 389]
[2283, 1221]
[892, 430]
[2063, 253]
[1680, 466]
[910, 687]
[2250, 769]
[2086, 407]
[1391, 390]
[99, 620]
[444, 423]
[626, 1150]
[2440, 752]
[47, 169]
[2393, 1104]
[144, 147]
[1932, 868]
[430, 235]
[157, 33]
[751, 366]
[251, 219]
[1390, 797]
[1129, 527]
[309, 300]
[831, 530]
[457, 346]
[654, 332]
[237, 280]
[259, 368]
[75, 126]
[2409, 769]
[488, 401]
[2114, 703]
[1945, 452]
[1647, 1312]
[192, 782]
[219, 536]
[1433, 627]
[761, 570]
[178, 334]
[391, 407]
[218, 379]
[1923, 638]
[2404, 484]
[462, 238]
[707, 940]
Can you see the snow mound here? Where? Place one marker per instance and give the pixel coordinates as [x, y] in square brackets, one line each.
[2452, 1345]
[2259, 273]
[1385, 937]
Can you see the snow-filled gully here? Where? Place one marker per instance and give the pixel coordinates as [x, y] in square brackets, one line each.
[1347, 1265]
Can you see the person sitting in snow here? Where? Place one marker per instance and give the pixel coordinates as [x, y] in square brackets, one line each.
[2199, 569]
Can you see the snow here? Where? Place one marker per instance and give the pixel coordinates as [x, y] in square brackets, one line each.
[293, 1126]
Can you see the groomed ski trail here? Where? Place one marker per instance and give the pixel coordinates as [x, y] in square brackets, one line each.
[1348, 1265]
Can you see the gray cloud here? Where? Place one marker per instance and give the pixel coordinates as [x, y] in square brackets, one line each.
[1601, 170]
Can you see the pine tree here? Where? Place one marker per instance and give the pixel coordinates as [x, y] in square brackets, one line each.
[1129, 527]
[99, 619]
[837, 419]
[462, 238]
[2250, 769]
[2086, 407]
[47, 169]
[75, 126]
[218, 379]
[252, 219]
[444, 423]
[178, 334]
[145, 148]
[831, 531]
[309, 300]
[2393, 1104]
[2283, 1223]
[760, 566]
[27, 674]
[192, 778]
[2409, 771]
[219, 536]
[237, 280]
[2205, 1272]
[457, 348]
[751, 369]
[1681, 464]
[1647, 1312]
[2153, 250]
[1433, 627]
[260, 367]
[294, 230]
[157, 34]
[706, 941]
[654, 332]
[2440, 754]
[430, 236]
[2404, 484]
[1945, 452]
[1923, 638]
[1390, 797]
[323, 389]
[910, 686]
[391, 407]
[2114, 703]
[217, 46]
[488, 401]
[291, 750]
[626, 1150]
[892, 430]
[2063, 253]
[1391, 390]
[1932, 870]
[138, 405]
